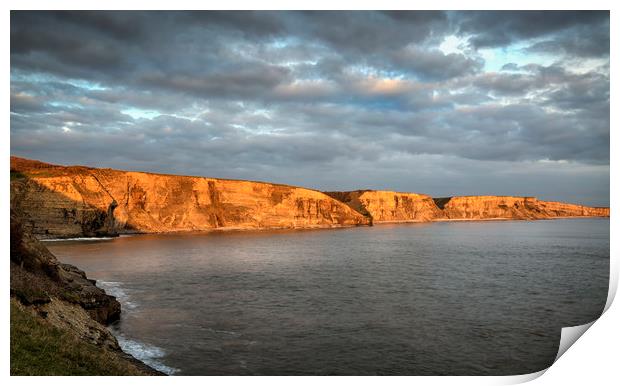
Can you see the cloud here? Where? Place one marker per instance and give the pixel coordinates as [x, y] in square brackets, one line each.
[580, 42]
[500, 28]
[434, 64]
[331, 100]
[571, 33]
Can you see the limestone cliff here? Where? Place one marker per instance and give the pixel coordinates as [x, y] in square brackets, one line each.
[74, 201]
[386, 206]
[508, 207]
[59, 201]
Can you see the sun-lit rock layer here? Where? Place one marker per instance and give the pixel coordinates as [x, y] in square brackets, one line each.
[491, 207]
[386, 206]
[77, 201]
[71, 201]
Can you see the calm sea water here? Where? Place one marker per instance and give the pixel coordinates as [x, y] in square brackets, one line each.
[470, 298]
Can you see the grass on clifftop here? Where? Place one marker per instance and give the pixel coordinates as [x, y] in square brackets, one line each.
[41, 349]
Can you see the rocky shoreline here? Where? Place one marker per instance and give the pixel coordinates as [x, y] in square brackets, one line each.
[58, 202]
[62, 298]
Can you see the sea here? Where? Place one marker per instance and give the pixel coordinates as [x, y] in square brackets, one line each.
[443, 298]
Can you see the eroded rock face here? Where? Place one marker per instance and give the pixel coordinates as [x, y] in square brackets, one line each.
[387, 206]
[60, 201]
[508, 207]
[37, 277]
[67, 316]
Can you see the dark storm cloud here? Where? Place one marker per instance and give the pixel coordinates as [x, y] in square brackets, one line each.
[298, 97]
[580, 42]
[247, 81]
[252, 24]
[358, 31]
[38, 36]
[500, 28]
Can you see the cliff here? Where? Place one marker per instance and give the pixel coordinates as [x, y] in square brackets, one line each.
[55, 306]
[36, 275]
[508, 207]
[77, 201]
[386, 206]
[59, 201]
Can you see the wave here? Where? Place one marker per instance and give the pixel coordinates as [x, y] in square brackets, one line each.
[80, 239]
[146, 353]
[224, 332]
[114, 288]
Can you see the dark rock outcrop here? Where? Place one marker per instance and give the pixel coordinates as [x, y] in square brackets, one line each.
[61, 296]
[36, 276]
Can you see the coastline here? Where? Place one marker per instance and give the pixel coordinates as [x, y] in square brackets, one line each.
[45, 239]
[66, 202]
[214, 297]
[142, 352]
[56, 305]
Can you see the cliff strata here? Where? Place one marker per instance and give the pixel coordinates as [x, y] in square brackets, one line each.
[77, 201]
[508, 207]
[387, 206]
[59, 201]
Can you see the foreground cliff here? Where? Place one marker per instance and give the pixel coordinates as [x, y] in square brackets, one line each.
[37, 276]
[387, 206]
[59, 201]
[58, 316]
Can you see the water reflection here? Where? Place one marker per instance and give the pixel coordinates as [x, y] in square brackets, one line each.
[438, 298]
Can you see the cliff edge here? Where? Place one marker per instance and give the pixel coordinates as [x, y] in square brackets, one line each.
[387, 206]
[77, 201]
[508, 207]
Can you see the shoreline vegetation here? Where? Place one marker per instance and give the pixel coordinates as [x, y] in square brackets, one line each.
[40, 348]
[58, 314]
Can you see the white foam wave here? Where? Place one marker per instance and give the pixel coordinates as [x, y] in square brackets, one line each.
[115, 289]
[146, 353]
[231, 333]
[79, 239]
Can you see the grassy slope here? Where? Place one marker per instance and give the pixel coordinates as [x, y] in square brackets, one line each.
[41, 349]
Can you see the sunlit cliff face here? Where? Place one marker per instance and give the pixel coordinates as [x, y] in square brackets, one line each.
[76, 201]
[508, 103]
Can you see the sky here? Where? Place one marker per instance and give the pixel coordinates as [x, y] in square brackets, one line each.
[442, 103]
